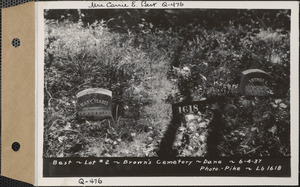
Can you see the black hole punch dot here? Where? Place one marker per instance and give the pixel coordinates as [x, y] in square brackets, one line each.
[16, 42]
[16, 146]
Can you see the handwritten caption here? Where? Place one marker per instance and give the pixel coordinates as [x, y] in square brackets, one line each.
[137, 4]
[203, 164]
[155, 166]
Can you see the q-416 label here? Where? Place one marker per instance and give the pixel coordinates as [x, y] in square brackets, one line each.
[89, 181]
[172, 4]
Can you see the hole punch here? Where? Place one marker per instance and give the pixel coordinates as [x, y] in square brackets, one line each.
[16, 146]
[16, 42]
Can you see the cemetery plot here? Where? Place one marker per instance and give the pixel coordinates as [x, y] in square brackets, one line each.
[191, 136]
[112, 77]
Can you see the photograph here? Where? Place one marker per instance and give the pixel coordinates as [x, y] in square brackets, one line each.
[166, 83]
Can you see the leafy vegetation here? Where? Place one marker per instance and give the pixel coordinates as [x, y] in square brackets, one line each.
[150, 64]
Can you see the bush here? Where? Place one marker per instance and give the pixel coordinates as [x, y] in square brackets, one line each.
[148, 69]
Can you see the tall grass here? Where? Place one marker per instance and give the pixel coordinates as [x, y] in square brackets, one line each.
[137, 68]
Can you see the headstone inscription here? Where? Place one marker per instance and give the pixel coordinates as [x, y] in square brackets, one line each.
[255, 82]
[94, 104]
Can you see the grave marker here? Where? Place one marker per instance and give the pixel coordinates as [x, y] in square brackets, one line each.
[94, 104]
[188, 107]
[255, 82]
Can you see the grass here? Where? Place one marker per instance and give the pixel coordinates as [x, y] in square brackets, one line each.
[137, 68]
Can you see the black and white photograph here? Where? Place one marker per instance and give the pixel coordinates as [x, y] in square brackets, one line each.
[166, 92]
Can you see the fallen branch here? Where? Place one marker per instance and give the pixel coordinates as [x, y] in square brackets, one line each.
[253, 150]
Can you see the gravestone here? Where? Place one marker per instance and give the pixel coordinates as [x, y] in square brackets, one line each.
[94, 104]
[255, 82]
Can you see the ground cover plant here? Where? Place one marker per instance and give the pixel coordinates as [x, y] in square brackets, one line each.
[150, 64]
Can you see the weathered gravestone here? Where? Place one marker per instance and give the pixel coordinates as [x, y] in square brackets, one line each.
[94, 104]
[255, 82]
